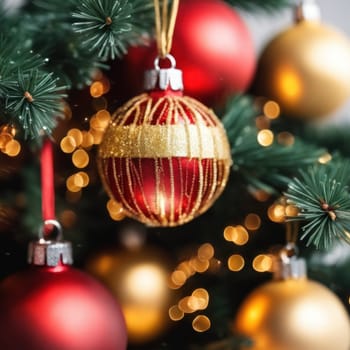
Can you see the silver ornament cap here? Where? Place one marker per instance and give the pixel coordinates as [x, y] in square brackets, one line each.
[307, 10]
[287, 265]
[163, 78]
[50, 252]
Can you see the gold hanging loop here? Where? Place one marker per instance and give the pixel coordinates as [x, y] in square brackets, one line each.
[165, 25]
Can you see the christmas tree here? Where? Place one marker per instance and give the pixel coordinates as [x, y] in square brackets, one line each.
[195, 210]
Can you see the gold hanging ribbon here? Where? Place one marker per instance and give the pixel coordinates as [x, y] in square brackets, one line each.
[292, 229]
[165, 25]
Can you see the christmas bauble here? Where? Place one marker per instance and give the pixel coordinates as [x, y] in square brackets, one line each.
[165, 157]
[212, 46]
[58, 308]
[306, 70]
[139, 280]
[294, 314]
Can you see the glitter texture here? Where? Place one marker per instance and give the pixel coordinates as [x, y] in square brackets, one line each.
[165, 158]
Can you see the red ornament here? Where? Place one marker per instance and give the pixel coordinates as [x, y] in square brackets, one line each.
[58, 308]
[165, 157]
[213, 47]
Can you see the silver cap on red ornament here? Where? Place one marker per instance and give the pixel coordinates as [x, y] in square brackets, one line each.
[163, 78]
[50, 252]
[287, 264]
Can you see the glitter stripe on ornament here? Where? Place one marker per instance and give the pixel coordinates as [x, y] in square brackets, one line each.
[151, 141]
[165, 158]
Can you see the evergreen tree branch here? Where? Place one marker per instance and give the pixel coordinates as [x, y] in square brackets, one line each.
[102, 23]
[322, 196]
[268, 168]
[34, 102]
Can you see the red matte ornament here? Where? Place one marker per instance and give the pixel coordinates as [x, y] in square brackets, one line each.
[58, 307]
[212, 45]
[165, 157]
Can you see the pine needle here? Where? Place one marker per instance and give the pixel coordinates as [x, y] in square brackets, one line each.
[322, 196]
[269, 168]
[103, 22]
[34, 102]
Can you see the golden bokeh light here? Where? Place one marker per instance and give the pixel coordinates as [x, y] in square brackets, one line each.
[324, 159]
[103, 118]
[235, 262]
[97, 89]
[201, 323]
[88, 139]
[12, 148]
[199, 265]
[178, 277]
[175, 313]
[117, 216]
[114, 206]
[70, 184]
[68, 144]
[265, 137]
[184, 305]
[201, 293]
[80, 158]
[291, 210]
[262, 263]
[5, 137]
[77, 136]
[186, 268]
[202, 297]
[236, 234]
[277, 213]
[229, 232]
[205, 251]
[78, 180]
[252, 221]
[271, 109]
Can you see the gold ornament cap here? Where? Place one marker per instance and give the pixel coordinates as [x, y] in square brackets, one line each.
[287, 265]
[47, 252]
[307, 10]
[163, 78]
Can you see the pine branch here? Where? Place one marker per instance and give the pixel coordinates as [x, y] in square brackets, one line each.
[322, 196]
[34, 102]
[66, 57]
[267, 168]
[109, 26]
[258, 5]
[142, 18]
[14, 57]
[103, 22]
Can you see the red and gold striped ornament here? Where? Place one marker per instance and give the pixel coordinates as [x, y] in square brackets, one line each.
[164, 157]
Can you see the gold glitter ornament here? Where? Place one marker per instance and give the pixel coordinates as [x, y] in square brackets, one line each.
[165, 157]
[305, 69]
[293, 313]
